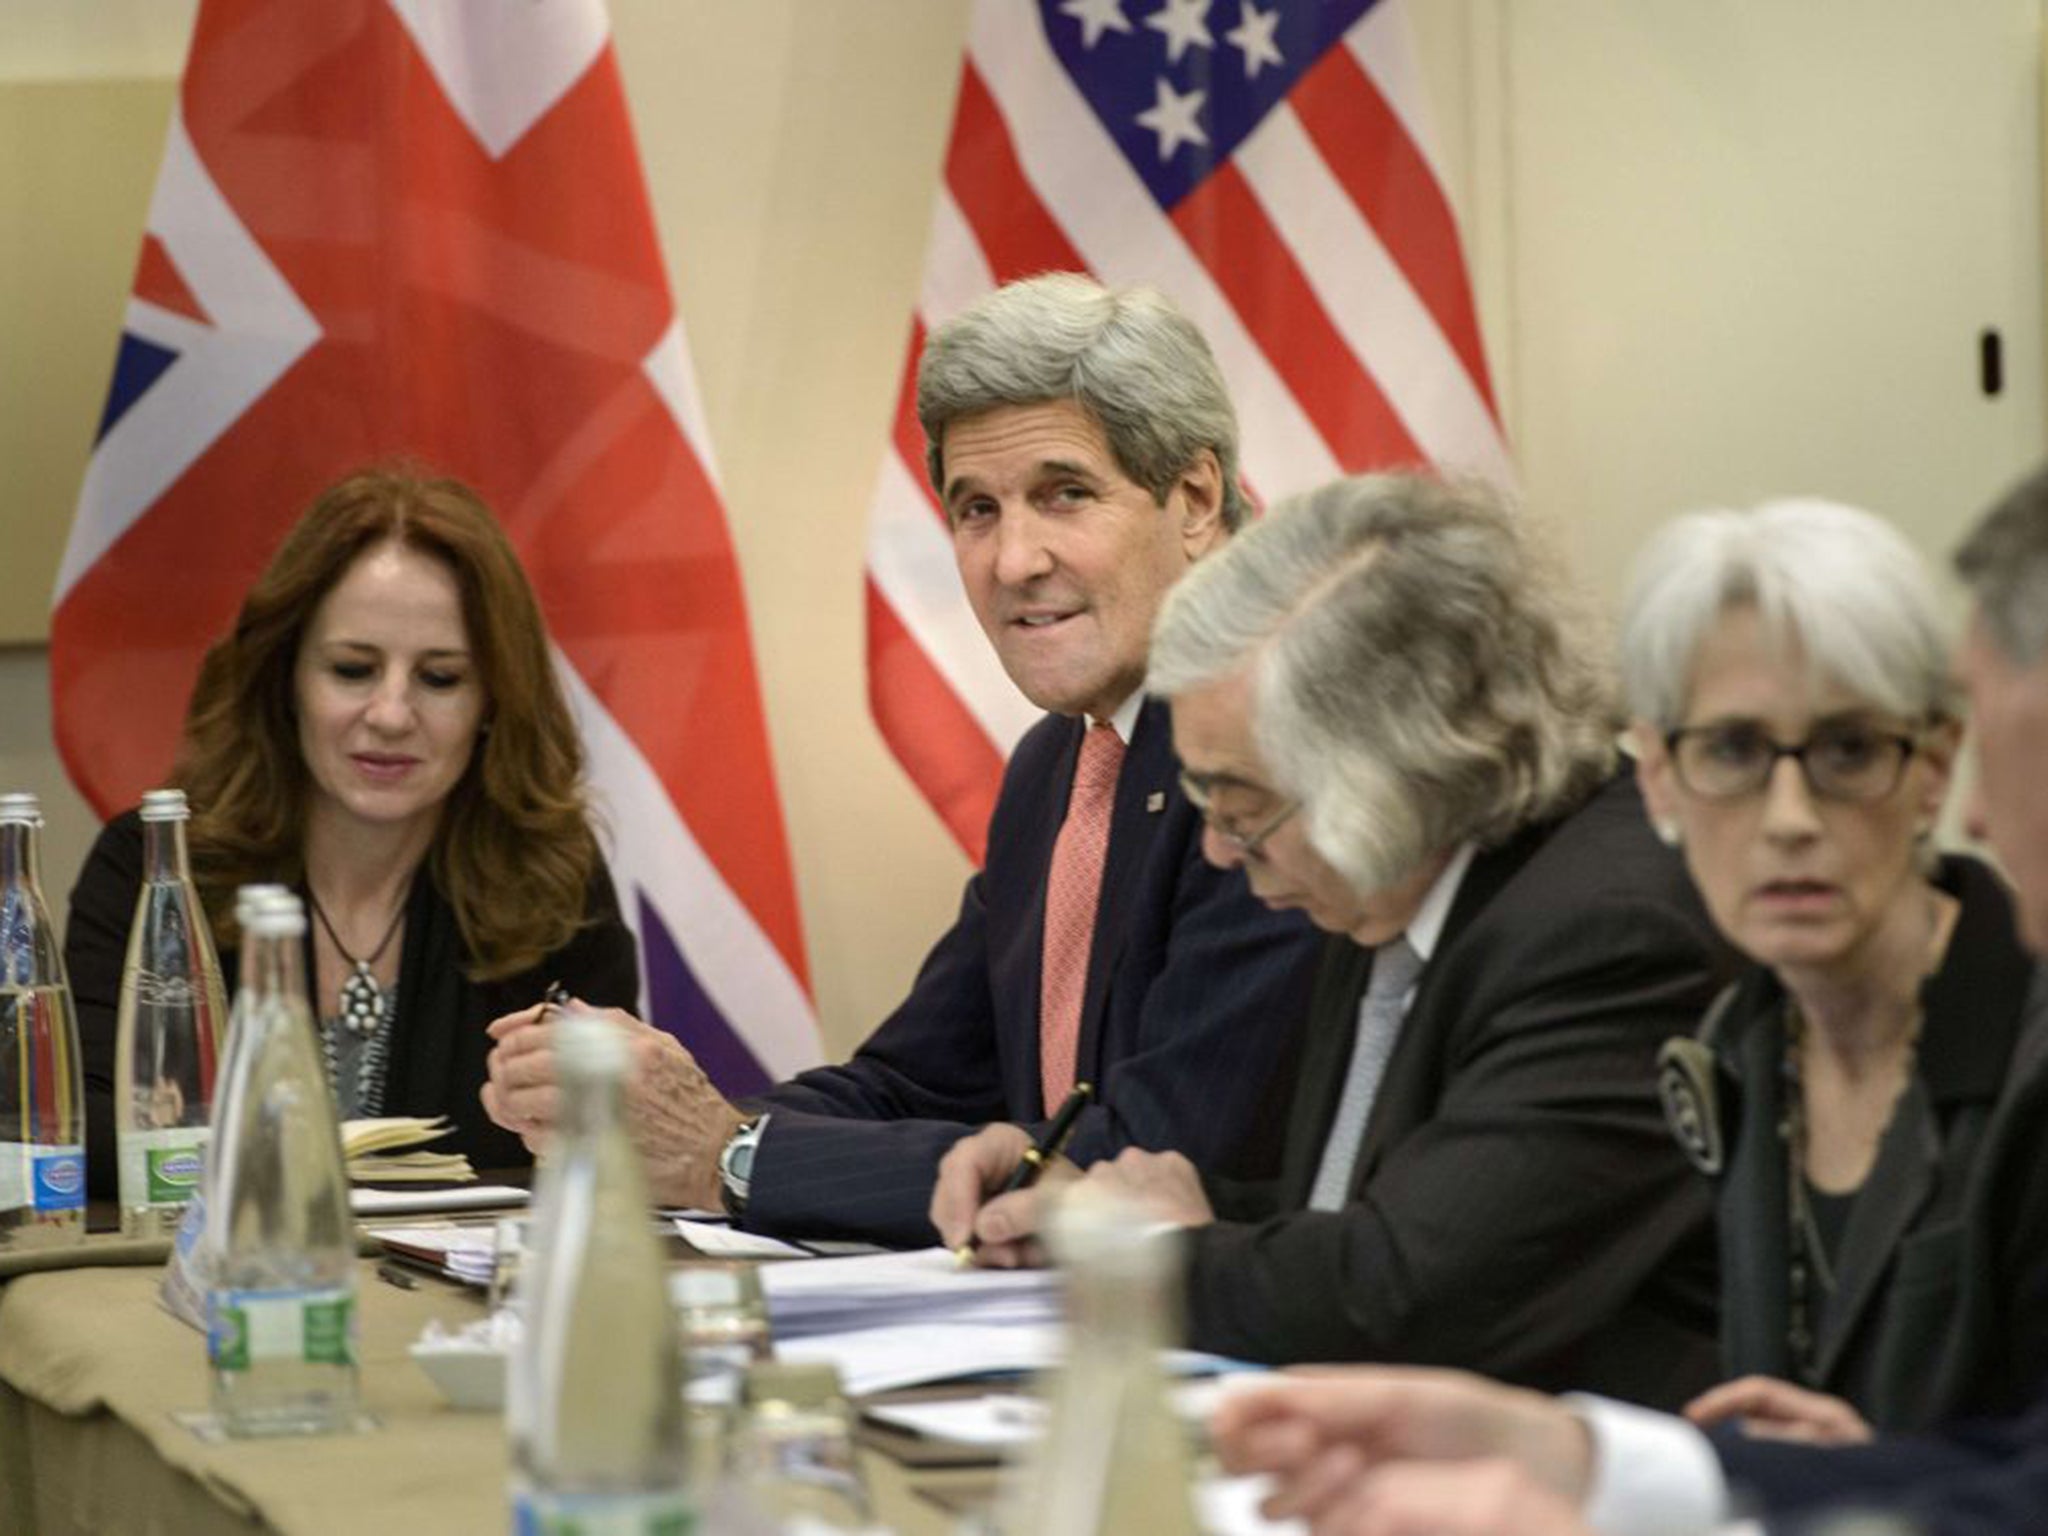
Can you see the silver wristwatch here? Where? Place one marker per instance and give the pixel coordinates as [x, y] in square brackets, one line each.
[736, 1164]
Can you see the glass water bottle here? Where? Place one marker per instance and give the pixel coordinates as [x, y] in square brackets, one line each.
[42, 1094]
[167, 1040]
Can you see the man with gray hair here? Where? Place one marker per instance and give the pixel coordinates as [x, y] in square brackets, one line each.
[1383, 710]
[1084, 452]
[1446, 1453]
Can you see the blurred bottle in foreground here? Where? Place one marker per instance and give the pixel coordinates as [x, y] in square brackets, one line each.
[42, 1095]
[790, 1462]
[595, 1407]
[1114, 1457]
[188, 1276]
[281, 1303]
[167, 1040]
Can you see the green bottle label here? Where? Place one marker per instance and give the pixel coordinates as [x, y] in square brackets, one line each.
[248, 1328]
[541, 1513]
[172, 1173]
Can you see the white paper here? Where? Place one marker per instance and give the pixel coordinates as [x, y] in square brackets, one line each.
[400, 1202]
[718, 1241]
[873, 1360]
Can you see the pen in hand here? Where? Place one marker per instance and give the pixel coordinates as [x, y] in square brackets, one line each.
[1035, 1158]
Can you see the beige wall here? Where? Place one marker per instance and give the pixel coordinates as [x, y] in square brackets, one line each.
[1720, 251]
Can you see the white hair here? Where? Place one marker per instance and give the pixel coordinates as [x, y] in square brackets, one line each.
[1419, 680]
[1840, 585]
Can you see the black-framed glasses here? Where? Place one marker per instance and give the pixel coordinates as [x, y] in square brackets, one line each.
[1246, 844]
[1850, 760]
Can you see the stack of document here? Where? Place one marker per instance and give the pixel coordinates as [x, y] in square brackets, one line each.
[382, 1151]
[891, 1320]
[925, 1288]
[468, 1254]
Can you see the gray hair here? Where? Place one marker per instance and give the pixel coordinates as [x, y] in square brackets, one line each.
[1126, 356]
[1842, 585]
[2005, 562]
[1420, 678]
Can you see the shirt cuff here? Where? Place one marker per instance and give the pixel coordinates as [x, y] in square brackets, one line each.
[1653, 1474]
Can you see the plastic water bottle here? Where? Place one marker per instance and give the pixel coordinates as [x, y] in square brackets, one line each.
[595, 1410]
[42, 1095]
[167, 1040]
[281, 1303]
[188, 1274]
[1114, 1457]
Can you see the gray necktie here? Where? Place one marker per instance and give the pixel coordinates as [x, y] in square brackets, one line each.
[1380, 1011]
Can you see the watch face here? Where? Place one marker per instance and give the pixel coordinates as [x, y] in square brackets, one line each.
[740, 1164]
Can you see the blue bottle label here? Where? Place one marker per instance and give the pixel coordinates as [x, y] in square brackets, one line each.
[59, 1178]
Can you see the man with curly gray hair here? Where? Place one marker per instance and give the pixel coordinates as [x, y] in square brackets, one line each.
[1385, 711]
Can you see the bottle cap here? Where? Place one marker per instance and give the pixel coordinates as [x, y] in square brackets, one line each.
[21, 806]
[588, 1046]
[1107, 1233]
[249, 897]
[165, 805]
[282, 916]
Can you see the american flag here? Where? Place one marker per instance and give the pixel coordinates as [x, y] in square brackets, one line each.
[1268, 165]
[408, 228]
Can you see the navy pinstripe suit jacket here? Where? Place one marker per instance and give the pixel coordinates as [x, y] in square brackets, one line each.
[1195, 993]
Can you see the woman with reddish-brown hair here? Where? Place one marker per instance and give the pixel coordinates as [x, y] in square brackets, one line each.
[383, 730]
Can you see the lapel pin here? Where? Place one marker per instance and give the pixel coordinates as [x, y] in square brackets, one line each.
[1156, 801]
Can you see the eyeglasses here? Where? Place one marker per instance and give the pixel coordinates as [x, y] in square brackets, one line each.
[1246, 844]
[1842, 760]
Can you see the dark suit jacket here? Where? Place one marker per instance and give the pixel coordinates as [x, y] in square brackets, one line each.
[1941, 1303]
[1194, 993]
[1982, 1479]
[1517, 1207]
[438, 1046]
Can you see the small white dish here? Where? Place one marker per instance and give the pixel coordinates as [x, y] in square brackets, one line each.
[470, 1376]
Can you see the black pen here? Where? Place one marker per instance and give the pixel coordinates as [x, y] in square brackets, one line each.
[556, 996]
[1035, 1158]
[391, 1274]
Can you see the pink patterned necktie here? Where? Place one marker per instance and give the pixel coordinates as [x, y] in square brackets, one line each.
[1071, 894]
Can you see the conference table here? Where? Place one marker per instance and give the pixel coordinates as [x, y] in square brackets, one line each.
[93, 1373]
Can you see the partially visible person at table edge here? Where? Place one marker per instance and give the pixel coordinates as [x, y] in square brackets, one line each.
[1883, 1229]
[1382, 699]
[383, 730]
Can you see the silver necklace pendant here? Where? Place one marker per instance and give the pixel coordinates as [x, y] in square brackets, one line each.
[362, 1001]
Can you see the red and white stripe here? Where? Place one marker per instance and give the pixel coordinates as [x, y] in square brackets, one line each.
[1322, 261]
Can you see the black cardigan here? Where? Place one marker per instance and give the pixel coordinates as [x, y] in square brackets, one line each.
[1941, 1306]
[439, 1048]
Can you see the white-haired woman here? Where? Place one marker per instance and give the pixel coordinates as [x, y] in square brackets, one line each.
[1883, 1226]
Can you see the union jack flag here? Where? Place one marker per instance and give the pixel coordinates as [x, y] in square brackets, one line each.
[1268, 166]
[406, 228]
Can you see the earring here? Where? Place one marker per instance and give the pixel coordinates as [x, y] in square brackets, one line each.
[1668, 833]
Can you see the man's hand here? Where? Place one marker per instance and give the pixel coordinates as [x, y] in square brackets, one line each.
[1163, 1186]
[1423, 1498]
[1317, 1433]
[1777, 1410]
[973, 1169]
[678, 1120]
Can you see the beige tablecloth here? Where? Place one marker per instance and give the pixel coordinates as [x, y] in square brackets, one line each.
[91, 1370]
